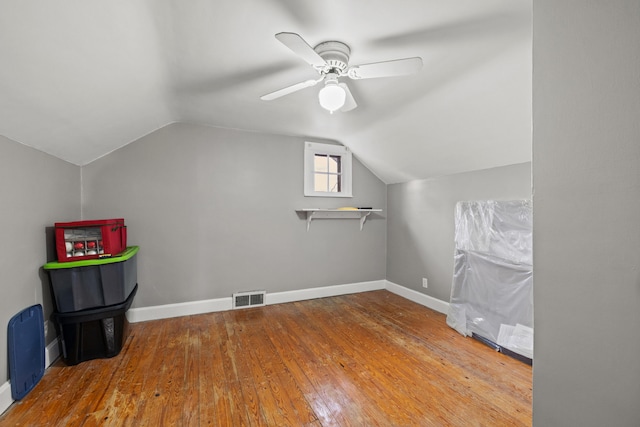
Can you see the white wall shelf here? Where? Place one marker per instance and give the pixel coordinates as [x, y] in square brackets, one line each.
[360, 214]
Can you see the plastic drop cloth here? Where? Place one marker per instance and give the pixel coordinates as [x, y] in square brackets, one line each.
[492, 285]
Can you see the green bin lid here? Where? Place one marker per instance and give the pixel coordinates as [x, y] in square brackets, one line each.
[128, 253]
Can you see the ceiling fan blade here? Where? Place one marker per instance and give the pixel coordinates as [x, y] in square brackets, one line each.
[349, 102]
[301, 13]
[301, 48]
[289, 89]
[396, 67]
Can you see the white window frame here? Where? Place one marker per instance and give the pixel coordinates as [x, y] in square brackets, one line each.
[313, 148]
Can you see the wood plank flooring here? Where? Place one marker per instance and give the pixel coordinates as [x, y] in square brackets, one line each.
[368, 359]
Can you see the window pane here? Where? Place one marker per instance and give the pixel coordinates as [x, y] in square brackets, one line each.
[320, 182]
[334, 183]
[334, 164]
[320, 163]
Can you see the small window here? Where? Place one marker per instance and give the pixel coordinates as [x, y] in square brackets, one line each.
[327, 170]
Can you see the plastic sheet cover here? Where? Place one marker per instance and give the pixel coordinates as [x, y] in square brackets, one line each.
[492, 290]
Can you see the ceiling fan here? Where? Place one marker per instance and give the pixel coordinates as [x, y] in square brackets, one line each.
[331, 60]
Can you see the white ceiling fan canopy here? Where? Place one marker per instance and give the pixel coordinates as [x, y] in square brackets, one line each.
[336, 55]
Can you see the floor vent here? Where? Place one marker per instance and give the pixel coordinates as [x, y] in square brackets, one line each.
[249, 299]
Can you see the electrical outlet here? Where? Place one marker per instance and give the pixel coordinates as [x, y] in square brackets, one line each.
[424, 282]
[46, 328]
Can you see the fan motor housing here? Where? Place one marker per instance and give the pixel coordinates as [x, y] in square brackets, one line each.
[335, 53]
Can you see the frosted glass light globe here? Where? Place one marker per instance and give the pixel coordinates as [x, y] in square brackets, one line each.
[332, 97]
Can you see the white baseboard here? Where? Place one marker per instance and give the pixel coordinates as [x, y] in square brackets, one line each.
[5, 396]
[51, 354]
[417, 297]
[167, 311]
[323, 292]
[143, 314]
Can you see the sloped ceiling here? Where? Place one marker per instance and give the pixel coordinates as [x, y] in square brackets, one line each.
[81, 78]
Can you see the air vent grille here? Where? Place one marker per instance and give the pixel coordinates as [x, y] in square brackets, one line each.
[256, 299]
[249, 299]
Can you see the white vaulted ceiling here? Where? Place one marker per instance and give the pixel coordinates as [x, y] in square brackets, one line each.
[81, 78]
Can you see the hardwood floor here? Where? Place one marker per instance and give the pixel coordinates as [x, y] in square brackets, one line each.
[368, 359]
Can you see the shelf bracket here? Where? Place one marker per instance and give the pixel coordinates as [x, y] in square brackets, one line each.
[363, 218]
[310, 216]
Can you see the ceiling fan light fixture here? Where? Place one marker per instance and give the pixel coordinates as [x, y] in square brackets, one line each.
[332, 97]
[331, 60]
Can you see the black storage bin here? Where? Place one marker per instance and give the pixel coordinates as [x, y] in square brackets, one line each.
[95, 283]
[95, 333]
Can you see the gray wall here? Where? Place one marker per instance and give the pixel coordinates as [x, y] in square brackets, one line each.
[36, 190]
[421, 222]
[586, 174]
[213, 211]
